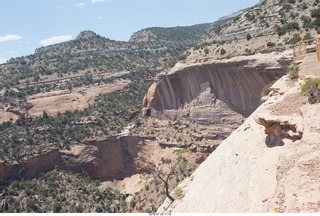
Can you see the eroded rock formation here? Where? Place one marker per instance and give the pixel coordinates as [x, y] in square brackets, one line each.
[30, 167]
[111, 158]
[236, 83]
[278, 130]
[245, 175]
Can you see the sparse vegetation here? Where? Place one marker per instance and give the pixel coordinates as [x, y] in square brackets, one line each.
[295, 39]
[183, 56]
[222, 51]
[60, 191]
[287, 28]
[267, 89]
[293, 71]
[43, 132]
[311, 89]
[307, 37]
[270, 44]
[204, 45]
[178, 191]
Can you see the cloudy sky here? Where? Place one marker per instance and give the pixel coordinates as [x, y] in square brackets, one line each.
[29, 24]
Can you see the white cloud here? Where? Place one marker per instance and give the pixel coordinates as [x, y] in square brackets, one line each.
[10, 37]
[99, 18]
[4, 57]
[55, 39]
[3, 60]
[9, 53]
[60, 7]
[80, 4]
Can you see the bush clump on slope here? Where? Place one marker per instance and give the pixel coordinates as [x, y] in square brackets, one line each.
[293, 71]
[312, 89]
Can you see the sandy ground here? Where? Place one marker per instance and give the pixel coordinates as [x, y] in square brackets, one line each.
[129, 185]
[79, 98]
[64, 100]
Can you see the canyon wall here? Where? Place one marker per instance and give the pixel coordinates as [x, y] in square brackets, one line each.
[251, 172]
[238, 84]
[269, 164]
[106, 159]
[30, 167]
[112, 158]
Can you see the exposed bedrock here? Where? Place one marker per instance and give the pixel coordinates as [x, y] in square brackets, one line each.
[110, 158]
[30, 167]
[237, 84]
[113, 158]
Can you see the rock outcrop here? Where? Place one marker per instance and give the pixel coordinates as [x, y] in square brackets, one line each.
[236, 82]
[110, 158]
[113, 158]
[30, 167]
[250, 173]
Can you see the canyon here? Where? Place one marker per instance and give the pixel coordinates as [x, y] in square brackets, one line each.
[210, 103]
[221, 93]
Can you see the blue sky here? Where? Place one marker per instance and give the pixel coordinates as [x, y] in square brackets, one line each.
[29, 24]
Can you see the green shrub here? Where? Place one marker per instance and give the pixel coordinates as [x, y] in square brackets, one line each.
[315, 13]
[311, 89]
[295, 39]
[307, 22]
[206, 51]
[293, 71]
[248, 36]
[309, 85]
[184, 56]
[204, 44]
[307, 37]
[178, 191]
[287, 28]
[250, 17]
[222, 51]
[271, 44]
[304, 6]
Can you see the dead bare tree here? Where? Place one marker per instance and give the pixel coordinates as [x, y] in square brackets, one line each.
[165, 176]
[166, 179]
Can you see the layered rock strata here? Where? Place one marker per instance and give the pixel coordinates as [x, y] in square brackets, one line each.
[114, 158]
[111, 158]
[236, 82]
[269, 164]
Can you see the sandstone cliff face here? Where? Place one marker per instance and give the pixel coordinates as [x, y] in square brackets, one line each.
[111, 158]
[31, 166]
[143, 36]
[237, 83]
[262, 167]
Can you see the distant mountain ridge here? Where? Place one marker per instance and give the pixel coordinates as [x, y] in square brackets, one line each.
[90, 52]
[179, 34]
[233, 15]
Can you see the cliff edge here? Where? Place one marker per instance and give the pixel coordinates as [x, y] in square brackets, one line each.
[269, 164]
